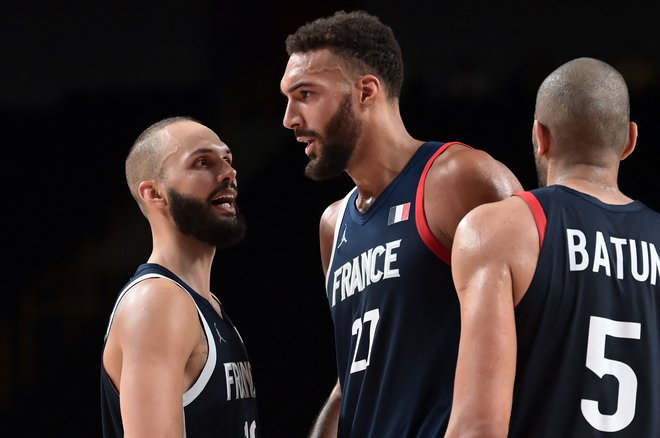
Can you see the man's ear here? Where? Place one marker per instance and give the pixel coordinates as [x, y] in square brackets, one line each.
[541, 138]
[150, 193]
[369, 86]
[632, 140]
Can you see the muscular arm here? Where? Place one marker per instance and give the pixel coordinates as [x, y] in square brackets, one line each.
[153, 334]
[327, 421]
[493, 260]
[327, 232]
[460, 180]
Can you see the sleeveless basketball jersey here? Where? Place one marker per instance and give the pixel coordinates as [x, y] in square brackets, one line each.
[589, 325]
[395, 312]
[222, 401]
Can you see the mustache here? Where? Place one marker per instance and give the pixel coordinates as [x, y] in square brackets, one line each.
[305, 133]
[224, 186]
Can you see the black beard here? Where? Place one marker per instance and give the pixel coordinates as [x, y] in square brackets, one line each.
[541, 175]
[342, 132]
[195, 218]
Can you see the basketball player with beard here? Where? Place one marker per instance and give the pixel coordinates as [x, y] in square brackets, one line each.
[174, 365]
[385, 247]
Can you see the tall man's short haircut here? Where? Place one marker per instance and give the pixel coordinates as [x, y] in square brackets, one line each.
[359, 38]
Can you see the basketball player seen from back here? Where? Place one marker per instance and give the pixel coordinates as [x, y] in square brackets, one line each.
[559, 287]
[385, 247]
[174, 365]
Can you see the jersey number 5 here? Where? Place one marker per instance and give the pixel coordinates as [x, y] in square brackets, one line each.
[599, 329]
[371, 317]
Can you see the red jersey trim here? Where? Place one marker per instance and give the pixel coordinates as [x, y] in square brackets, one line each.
[420, 215]
[537, 211]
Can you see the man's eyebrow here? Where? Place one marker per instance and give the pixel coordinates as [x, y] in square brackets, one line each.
[205, 150]
[297, 85]
[200, 151]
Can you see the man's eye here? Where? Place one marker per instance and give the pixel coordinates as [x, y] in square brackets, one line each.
[202, 162]
[305, 94]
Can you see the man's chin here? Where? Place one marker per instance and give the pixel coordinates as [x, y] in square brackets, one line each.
[317, 172]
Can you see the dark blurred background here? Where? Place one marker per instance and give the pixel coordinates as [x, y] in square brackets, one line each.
[80, 80]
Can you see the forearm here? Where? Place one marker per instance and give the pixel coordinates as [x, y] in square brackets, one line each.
[470, 426]
[327, 421]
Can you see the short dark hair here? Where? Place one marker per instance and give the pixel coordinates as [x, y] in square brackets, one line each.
[358, 37]
[585, 102]
[144, 159]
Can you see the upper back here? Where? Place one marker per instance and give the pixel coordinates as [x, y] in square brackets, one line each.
[588, 345]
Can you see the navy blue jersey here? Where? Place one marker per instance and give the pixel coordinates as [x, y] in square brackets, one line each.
[222, 400]
[395, 312]
[588, 326]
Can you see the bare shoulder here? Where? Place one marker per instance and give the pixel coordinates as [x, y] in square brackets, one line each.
[155, 304]
[459, 180]
[499, 236]
[461, 165]
[329, 216]
[494, 235]
[327, 231]
[493, 221]
[152, 311]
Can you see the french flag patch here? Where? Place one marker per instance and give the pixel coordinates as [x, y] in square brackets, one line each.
[398, 213]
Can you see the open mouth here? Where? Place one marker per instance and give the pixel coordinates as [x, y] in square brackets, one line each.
[306, 137]
[309, 141]
[225, 202]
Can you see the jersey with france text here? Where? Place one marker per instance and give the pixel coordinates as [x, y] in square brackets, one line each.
[222, 401]
[589, 324]
[395, 312]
